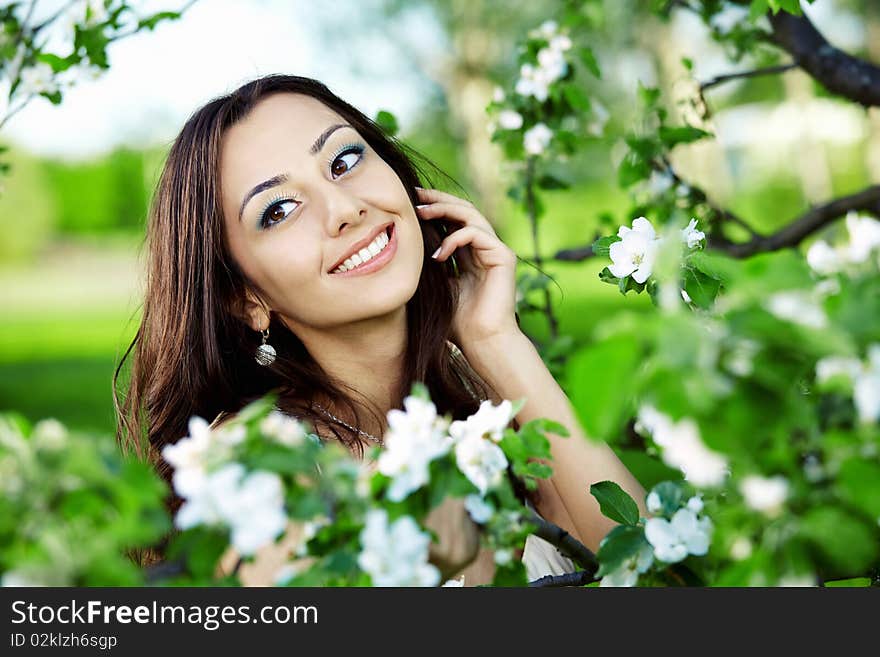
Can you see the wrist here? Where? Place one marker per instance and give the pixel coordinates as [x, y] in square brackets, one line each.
[499, 359]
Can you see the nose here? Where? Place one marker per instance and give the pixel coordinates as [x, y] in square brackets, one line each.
[344, 209]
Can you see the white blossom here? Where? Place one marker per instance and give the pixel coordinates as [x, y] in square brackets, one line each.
[548, 29]
[37, 79]
[832, 366]
[674, 539]
[866, 391]
[482, 461]
[396, 554]
[560, 42]
[741, 548]
[489, 421]
[510, 120]
[49, 434]
[627, 574]
[503, 556]
[764, 494]
[251, 505]
[478, 508]
[824, 259]
[189, 457]
[537, 138]
[284, 429]
[653, 502]
[532, 82]
[415, 437]
[864, 236]
[691, 236]
[683, 448]
[551, 64]
[798, 307]
[695, 504]
[254, 510]
[636, 251]
[498, 95]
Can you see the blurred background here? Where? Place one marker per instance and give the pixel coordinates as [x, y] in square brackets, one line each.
[73, 209]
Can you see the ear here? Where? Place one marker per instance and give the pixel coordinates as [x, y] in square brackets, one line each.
[253, 311]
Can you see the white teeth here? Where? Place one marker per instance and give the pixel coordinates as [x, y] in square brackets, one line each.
[365, 254]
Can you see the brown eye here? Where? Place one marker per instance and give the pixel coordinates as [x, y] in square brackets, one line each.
[277, 212]
[341, 165]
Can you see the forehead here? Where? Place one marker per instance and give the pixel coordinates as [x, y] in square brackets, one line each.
[279, 130]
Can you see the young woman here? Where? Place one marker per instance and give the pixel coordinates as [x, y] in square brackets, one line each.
[285, 217]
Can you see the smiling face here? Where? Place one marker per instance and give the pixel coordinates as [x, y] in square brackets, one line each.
[302, 192]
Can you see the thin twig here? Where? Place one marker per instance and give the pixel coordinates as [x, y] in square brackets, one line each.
[533, 222]
[769, 70]
[579, 578]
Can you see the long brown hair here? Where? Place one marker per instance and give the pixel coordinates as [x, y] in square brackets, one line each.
[193, 355]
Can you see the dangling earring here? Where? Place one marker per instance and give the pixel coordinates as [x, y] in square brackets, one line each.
[265, 354]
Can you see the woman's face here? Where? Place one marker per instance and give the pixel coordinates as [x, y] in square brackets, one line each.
[300, 195]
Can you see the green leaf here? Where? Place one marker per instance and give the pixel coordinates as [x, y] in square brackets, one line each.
[150, 22]
[602, 247]
[601, 378]
[589, 59]
[701, 288]
[845, 542]
[387, 121]
[615, 503]
[672, 136]
[420, 390]
[647, 469]
[576, 97]
[548, 181]
[622, 543]
[648, 95]
[633, 168]
[858, 482]
[671, 495]
[607, 277]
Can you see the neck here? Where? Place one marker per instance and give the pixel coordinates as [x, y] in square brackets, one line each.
[367, 356]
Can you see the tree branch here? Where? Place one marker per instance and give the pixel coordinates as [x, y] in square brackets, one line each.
[837, 71]
[816, 218]
[567, 544]
[867, 200]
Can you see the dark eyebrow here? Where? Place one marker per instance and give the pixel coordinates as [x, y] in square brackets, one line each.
[283, 178]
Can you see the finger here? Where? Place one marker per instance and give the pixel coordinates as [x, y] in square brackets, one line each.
[467, 215]
[486, 247]
[436, 196]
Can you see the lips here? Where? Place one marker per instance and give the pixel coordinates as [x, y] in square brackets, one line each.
[357, 246]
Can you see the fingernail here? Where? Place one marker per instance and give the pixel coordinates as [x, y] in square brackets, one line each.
[436, 253]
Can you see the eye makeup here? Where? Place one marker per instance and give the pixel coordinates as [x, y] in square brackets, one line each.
[357, 148]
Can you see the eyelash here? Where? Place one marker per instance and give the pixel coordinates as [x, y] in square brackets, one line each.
[343, 150]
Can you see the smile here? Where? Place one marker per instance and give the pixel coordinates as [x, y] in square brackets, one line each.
[372, 257]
